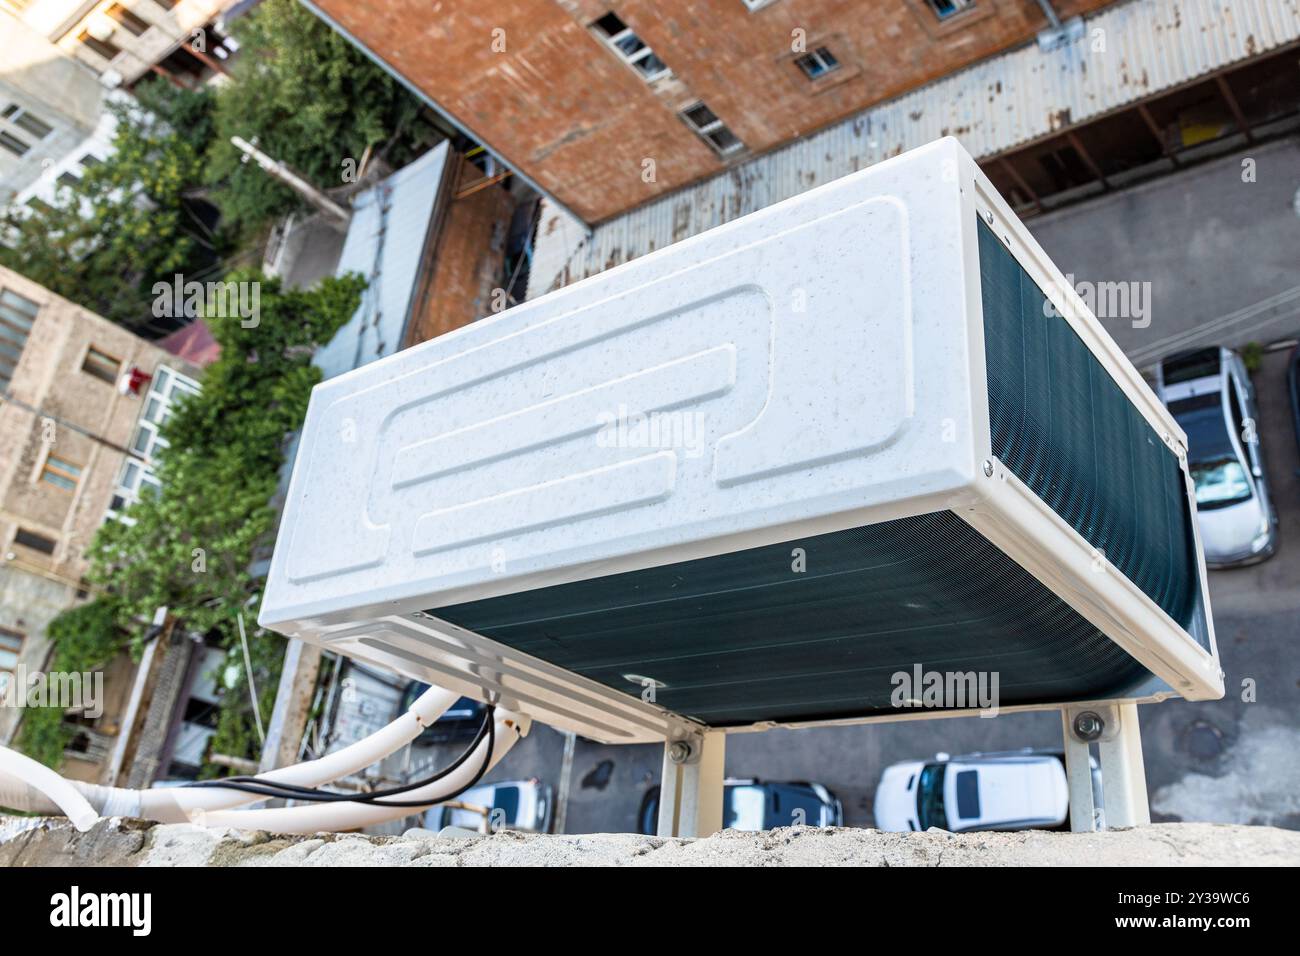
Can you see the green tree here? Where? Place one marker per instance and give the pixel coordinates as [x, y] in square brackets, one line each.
[128, 223]
[85, 639]
[191, 546]
[309, 98]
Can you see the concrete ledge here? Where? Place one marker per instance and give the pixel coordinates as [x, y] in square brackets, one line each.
[118, 842]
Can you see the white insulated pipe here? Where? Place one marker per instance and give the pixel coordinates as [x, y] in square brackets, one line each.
[346, 815]
[25, 789]
[20, 776]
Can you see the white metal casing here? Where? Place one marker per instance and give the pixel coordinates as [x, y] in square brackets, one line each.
[815, 366]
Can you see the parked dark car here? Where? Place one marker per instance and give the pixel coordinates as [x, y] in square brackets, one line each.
[757, 805]
[462, 719]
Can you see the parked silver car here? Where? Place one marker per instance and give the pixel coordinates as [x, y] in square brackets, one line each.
[1210, 394]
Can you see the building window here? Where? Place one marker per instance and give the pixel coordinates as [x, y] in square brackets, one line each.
[711, 129]
[143, 441]
[37, 542]
[13, 143]
[133, 24]
[105, 47]
[61, 473]
[103, 367]
[137, 479]
[630, 48]
[943, 9]
[90, 160]
[166, 4]
[16, 317]
[11, 646]
[818, 63]
[69, 178]
[26, 121]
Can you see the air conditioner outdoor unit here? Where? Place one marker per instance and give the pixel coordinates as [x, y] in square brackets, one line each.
[747, 479]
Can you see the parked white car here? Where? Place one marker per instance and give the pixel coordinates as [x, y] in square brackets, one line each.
[1021, 790]
[512, 805]
[1211, 396]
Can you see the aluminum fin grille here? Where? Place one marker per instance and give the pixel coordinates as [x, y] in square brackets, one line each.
[743, 637]
[1062, 425]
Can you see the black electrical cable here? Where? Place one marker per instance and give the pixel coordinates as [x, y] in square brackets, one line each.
[482, 770]
[287, 791]
[291, 791]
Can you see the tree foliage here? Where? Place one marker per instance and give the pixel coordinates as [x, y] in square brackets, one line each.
[85, 639]
[310, 99]
[191, 546]
[305, 94]
[105, 241]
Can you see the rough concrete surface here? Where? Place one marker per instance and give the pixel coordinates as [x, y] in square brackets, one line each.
[118, 842]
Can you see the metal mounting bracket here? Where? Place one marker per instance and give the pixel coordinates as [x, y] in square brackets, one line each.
[690, 792]
[1114, 728]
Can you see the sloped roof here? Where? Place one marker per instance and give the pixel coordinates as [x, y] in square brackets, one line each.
[193, 342]
[385, 244]
[1126, 53]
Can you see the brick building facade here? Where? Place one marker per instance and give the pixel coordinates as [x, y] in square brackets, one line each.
[577, 95]
[75, 447]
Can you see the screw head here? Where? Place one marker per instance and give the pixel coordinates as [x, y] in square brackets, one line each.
[1088, 726]
[988, 468]
[679, 751]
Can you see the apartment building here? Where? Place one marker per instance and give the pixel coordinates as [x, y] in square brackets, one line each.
[50, 104]
[81, 404]
[126, 39]
[61, 61]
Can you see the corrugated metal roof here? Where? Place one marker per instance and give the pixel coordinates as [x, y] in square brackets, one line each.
[1126, 53]
[385, 243]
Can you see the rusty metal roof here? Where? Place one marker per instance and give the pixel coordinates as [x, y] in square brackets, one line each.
[1126, 53]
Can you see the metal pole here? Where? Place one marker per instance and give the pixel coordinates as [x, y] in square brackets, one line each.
[561, 818]
[293, 702]
[295, 182]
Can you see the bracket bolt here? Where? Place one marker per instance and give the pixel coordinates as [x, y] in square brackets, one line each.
[1088, 726]
[679, 751]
